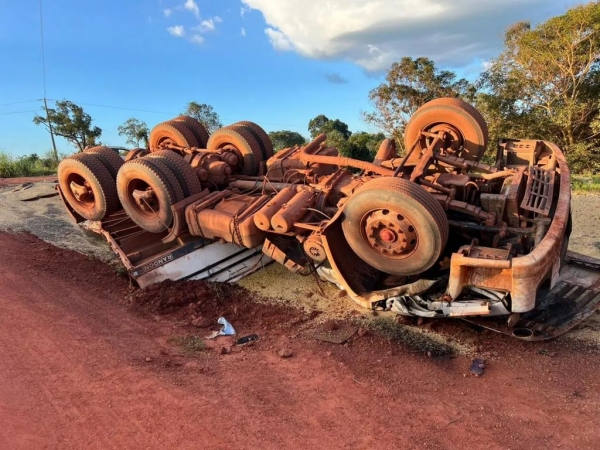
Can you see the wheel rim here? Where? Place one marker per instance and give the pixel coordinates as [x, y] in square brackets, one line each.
[143, 199]
[452, 137]
[81, 191]
[389, 233]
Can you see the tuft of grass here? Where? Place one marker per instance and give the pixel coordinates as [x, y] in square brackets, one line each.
[26, 166]
[190, 344]
[589, 184]
[388, 328]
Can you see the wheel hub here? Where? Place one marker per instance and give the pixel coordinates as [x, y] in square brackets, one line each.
[82, 192]
[452, 137]
[146, 201]
[390, 233]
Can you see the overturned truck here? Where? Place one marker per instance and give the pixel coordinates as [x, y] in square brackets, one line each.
[434, 232]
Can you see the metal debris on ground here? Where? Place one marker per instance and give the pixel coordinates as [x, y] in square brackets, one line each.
[247, 339]
[477, 367]
[226, 329]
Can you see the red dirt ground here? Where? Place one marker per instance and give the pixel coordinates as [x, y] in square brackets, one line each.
[86, 363]
[12, 181]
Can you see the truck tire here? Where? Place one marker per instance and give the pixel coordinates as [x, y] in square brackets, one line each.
[136, 153]
[88, 186]
[200, 132]
[468, 132]
[111, 159]
[395, 226]
[143, 175]
[184, 173]
[171, 132]
[261, 136]
[244, 142]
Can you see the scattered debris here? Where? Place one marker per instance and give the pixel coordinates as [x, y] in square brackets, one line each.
[247, 339]
[477, 367]
[226, 329]
[362, 332]
[201, 322]
[225, 350]
[336, 335]
[286, 353]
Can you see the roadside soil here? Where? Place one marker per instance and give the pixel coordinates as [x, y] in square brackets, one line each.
[89, 362]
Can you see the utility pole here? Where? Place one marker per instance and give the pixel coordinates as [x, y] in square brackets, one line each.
[51, 131]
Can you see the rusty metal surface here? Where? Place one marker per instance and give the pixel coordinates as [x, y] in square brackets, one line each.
[539, 191]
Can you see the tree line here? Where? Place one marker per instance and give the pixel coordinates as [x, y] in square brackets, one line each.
[545, 84]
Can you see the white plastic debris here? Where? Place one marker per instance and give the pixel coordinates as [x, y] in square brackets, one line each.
[226, 329]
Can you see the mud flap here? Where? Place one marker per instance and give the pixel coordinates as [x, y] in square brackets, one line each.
[573, 298]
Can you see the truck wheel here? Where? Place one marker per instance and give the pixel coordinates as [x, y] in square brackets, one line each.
[395, 226]
[147, 192]
[111, 159]
[136, 153]
[261, 136]
[171, 133]
[88, 186]
[184, 173]
[243, 141]
[200, 132]
[466, 130]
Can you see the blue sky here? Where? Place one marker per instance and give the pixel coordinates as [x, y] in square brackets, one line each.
[276, 62]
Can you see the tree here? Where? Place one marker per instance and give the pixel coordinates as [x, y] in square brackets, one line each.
[135, 131]
[205, 114]
[546, 83]
[285, 139]
[322, 124]
[366, 144]
[70, 122]
[409, 84]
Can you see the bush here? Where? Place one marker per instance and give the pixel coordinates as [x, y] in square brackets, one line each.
[26, 166]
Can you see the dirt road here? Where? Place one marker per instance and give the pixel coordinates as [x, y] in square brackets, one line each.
[81, 368]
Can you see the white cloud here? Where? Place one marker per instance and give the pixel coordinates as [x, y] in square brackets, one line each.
[192, 6]
[177, 31]
[167, 12]
[197, 39]
[375, 33]
[208, 25]
[243, 32]
[278, 40]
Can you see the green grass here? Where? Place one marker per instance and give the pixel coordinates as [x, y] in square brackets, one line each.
[190, 344]
[586, 184]
[26, 166]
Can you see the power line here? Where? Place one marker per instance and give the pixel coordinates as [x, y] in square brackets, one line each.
[18, 112]
[20, 103]
[166, 113]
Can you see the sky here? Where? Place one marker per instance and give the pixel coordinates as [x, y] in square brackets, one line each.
[278, 63]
